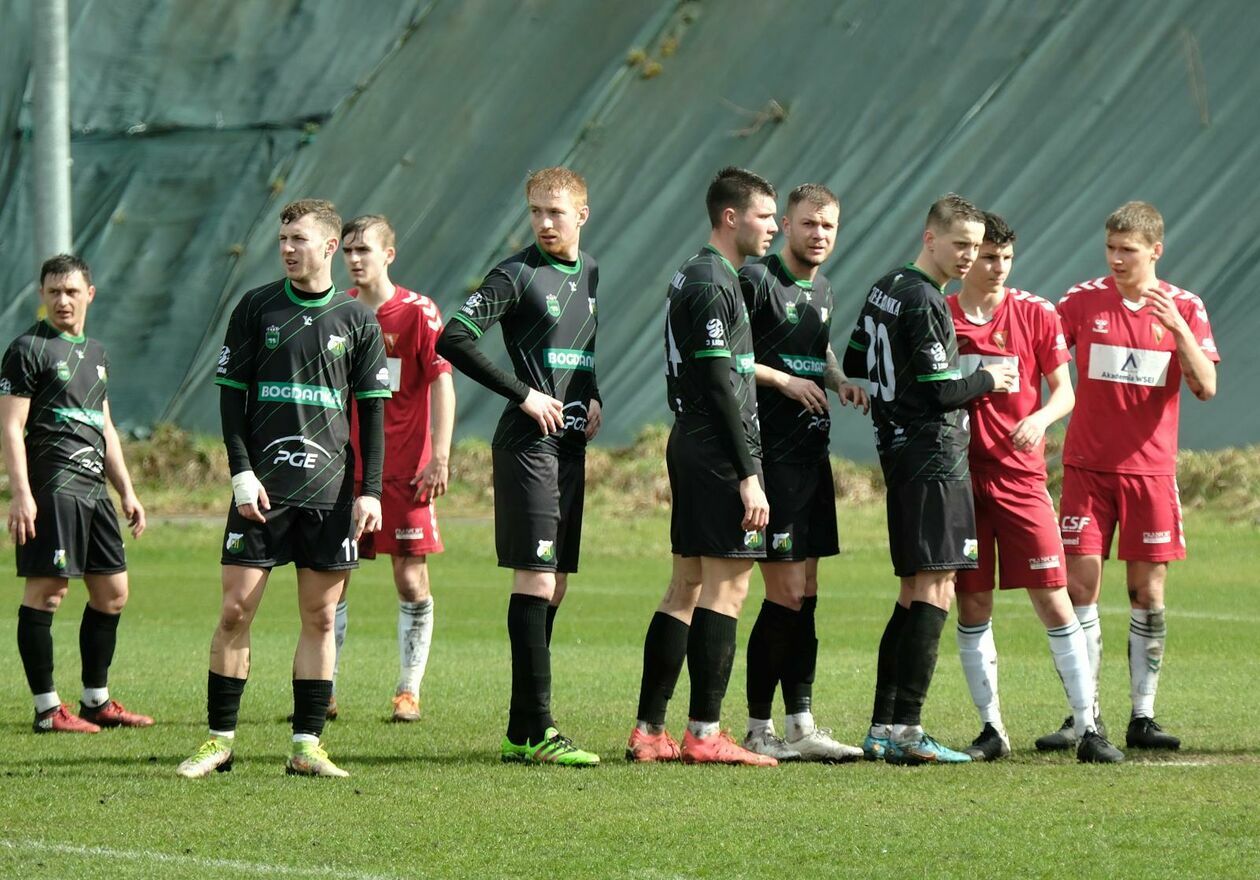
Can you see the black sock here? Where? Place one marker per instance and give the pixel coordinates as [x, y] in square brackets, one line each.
[710, 656]
[310, 704]
[664, 650]
[530, 712]
[223, 701]
[916, 660]
[798, 672]
[551, 621]
[35, 645]
[769, 645]
[98, 633]
[886, 670]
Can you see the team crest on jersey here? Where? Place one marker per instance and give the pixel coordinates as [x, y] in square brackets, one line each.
[553, 305]
[271, 338]
[336, 344]
[100, 372]
[792, 316]
[999, 338]
[235, 542]
[1157, 330]
[391, 339]
[971, 549]
[59, 559]
[782, 541]
[1100, 325]
[753, 540]
[546, 550]
[63, 371]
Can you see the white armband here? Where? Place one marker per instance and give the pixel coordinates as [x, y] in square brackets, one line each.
[245, 488]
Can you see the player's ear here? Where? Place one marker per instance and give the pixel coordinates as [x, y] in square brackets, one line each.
[330, 247]
[729, 218]
[584, 214]
[390, 254]
[1158, 249]
[91, 292]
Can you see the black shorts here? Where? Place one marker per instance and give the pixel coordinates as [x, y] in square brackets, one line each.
[538, 499]
[931, 527]
[802, 511]
[707, 512]
[73, 537]
[321, 540]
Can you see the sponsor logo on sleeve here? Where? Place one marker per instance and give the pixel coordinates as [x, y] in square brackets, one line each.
[590, 304]
[936, 354]
[382, 376]
[225, 355]
[100, 373]
[716, 332]
[1060, 342]
[1208, 344]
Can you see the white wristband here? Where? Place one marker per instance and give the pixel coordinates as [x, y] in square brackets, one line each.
[245, 488]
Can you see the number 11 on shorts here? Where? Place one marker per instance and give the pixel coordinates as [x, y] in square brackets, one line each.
[351, 548]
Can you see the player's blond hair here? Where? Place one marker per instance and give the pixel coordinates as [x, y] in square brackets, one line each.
[952, 208]
[560, 179]
[1138, 217]
[322, 211]
[361, 225]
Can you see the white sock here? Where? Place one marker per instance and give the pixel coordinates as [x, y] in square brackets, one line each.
[703, 729]
[94, 697]
[340, 622]
[1147, 633]
[1071, 660]
[978, 653]
[799, 725]
[305, 738]
[906, 734]
[44, 702]
[415, 635]
[1092, 627]
[649, 727]
[223, 734]
[758, 726]
[880, 731]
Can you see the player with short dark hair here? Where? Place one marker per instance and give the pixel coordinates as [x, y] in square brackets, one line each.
[296, 352]
[904, 343]
[789, 307]
[1016, 525]
[719, 506]
[1136, 337]
[60, 447]
[543, 297]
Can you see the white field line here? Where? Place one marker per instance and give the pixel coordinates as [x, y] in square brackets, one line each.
[153, 857]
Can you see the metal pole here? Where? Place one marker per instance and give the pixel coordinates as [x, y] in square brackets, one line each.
[51, 93]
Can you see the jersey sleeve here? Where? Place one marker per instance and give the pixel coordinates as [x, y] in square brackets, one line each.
[1051, 348]
[490, 303]
[369, 376]
[713, 314]
[1195, 313]
[430, 362]
[1068, 317]
[19, 372]
[753, 289]
[236, 358]
[928, 330]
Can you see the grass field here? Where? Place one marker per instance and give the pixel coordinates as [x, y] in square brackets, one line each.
[432, 800]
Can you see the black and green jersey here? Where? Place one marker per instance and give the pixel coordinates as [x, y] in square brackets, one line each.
[299, 362]
[546, 309]
[791, 327]
[65, 378]
[906, 330]
[706, 317]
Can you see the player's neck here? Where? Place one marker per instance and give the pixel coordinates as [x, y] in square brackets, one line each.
[798, 270]
[725, 245]
[925, 264]
[73, 330]
[317, 283]
[1133, 290]
[979, 304]
[377, 294]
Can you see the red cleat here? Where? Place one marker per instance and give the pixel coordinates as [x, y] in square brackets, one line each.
[646, 748]
[59, 720]
[721, 749]
[112, 714]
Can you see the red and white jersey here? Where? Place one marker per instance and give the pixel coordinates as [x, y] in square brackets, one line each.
[1128, 387]
[1025, 333]
[410, 327]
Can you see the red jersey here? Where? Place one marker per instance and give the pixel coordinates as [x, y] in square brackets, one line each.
[1128, 387]
[410, 326]
[1024, 332]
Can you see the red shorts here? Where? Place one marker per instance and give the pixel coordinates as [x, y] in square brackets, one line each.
[1015, 516]
[1148, 509]
[408, 527]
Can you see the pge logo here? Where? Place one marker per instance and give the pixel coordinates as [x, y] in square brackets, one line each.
[574, 416]
[296, 451]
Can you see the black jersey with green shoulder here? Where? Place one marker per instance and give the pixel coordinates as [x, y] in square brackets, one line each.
[907, 333]
[546, 309]
[791, 328]
[706, 317]
[64, 376]
[299, 361]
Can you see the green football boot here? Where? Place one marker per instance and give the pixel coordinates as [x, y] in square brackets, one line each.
[554, 749]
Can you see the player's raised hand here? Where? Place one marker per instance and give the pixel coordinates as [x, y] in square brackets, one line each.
[805, 392]
[1004, 376]
[545, 410]
[22, 512]
[367, 515]
[854, 395]
[431, 482]
[134, 511]
[756, 507]
[594, 419]
[1163, 307]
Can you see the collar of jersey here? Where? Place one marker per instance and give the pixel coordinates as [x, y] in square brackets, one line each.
[799, 282]
[78, 340]
[563, 267]
[930, 279]
[308, 303]
[722, 257]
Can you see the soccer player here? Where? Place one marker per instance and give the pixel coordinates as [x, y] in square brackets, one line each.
[998, 324]
[719, 505]
[295, 352]
[904, 343]
[1136, 338]
[60, 447]
[416, 460]
[544, 298]
[789, 307]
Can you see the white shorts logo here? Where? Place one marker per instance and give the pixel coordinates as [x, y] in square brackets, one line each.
[1164, 537]
[409, 534]
[1073, 524]
[1042, 563]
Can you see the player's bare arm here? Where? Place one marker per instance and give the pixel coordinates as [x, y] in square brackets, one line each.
[850, 393]
[13, 413]
[120, 479]
[594, 418]
[803, 391]
[1196, 366]
[432, 480]
[1032, 428]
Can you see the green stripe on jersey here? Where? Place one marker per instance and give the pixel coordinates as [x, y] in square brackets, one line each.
[467, 322]
[231, 383]
[291, 392]
[803, 365]
[856, 346]
[569, 359]
[93, 417]
[713, 353]
[939, 377]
